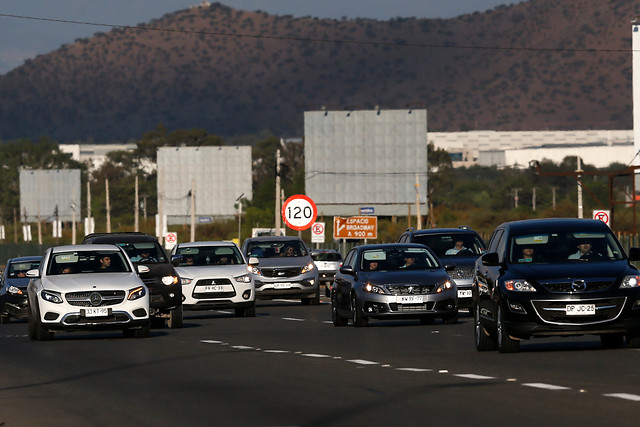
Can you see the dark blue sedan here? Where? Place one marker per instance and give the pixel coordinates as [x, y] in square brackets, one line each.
[13, 290]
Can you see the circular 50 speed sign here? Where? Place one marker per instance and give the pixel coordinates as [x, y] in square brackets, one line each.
[299, 212]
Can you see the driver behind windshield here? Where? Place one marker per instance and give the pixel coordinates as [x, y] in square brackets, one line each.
[459, 246]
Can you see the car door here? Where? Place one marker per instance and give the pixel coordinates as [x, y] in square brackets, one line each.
[344, 281]
[487, 272]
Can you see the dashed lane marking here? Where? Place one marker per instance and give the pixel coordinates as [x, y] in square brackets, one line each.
[626, 396]
[546, 386]
[475, 376]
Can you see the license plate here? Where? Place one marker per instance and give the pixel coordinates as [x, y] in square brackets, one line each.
[213, 288]
[464, 293]
[581, 309]
[409, 299]
[281, 285]
[96, 312]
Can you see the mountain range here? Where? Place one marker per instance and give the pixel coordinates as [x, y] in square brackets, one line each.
[536, 65]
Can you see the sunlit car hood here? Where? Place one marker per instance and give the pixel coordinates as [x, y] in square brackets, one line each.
[571, 270]
[406, 276]
[83, 282]
[293, 261]
[212, 270]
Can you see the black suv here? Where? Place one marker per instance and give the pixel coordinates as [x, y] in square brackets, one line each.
[555, 277]
[453, 246]
[165, 291]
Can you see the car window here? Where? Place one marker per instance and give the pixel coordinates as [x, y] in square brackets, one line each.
[276, 248]
[398, 258]
[326, 256]
[194, 256]
[566, 246]
[144, 252]
[495, 238]
[19, 269]
[452, 244]
[349, 260]
[79, 262]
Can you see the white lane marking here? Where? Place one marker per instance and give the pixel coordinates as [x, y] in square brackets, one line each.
[414, 369]
[287, 300]
[293, 319]
[475, 377]
[443, 371]
[276, 351]
[211, 341]
[242, 347]
[546, 386]
[363, 362]
[626, 396]
[315, 355]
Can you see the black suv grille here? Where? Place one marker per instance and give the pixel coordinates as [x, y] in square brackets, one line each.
[83, 299]
[410, 289]
[555, 311]
[567, 286]
[281, 272]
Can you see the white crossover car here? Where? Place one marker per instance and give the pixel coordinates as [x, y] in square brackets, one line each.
[87, 287]
[214, 276]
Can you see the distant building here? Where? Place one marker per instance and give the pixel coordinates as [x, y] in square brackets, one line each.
[94, 155]
[599, 148]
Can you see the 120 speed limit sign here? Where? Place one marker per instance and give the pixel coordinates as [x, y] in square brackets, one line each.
[299, 212]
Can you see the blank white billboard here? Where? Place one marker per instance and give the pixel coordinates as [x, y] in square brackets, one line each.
[219, 175]
[366, 161]
[44, 191]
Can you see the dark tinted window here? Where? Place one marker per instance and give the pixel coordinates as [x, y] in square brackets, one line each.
[276, 248]
[209, 255]
[77, 262]
[326, 256]
[445, 244]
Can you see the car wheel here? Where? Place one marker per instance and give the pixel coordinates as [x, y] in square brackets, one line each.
[33, 332]
[358, 319]
[157, 321]
[612, 340]
[327, 291]
[633, 341]
[335, 316]
[506, 344]
[4, 318]
[246, 312]
[450, 320]
[484, 342]
[175, 318]
[143, 332]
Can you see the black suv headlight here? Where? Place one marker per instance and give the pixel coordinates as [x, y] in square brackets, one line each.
[519, 285]
[630, 282]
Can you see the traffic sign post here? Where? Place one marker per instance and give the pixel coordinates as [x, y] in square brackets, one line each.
[170, 240]
[317, 232]
[299, 212]
[603, 215]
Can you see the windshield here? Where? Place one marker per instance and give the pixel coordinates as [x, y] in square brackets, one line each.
[19, 269]
[272, 249]
[144, 252]
[326, 256]
[398, 258]
[454, 244]
[79, 262]
[209, 255]
[566, 246]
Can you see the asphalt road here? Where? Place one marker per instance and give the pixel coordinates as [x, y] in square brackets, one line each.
[289, 366]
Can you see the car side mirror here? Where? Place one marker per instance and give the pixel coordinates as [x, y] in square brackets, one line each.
[142, 269]
[449, 267]
[254, 260]
[176, 260]
[33, 273]
[491, 259]
[347, 269]
[634, 254]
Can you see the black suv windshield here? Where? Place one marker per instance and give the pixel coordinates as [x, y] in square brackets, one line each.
[144, 252]
[451, 244]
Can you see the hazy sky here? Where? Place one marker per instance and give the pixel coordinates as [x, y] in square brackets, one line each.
[21, 39]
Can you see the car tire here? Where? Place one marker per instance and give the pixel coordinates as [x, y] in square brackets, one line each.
[246, 312]
[4, 318]
[612, 340]
[157, 321]
[450, 320]
[175, 318]
[356, 315]
[633, 341]
[506, 344]
[33, 332]
[335, 316]
[484, 341]
[313, 300]
[143, 332]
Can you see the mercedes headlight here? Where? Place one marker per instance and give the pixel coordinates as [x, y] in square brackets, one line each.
[136, 293]
[51, 296]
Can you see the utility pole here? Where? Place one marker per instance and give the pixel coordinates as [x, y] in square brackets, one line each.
[193, 210]
[515, 197]
[553, 197]
[73, 218]
[136, 209]
[277, 212]
[106, 184]
[418, 217]
[533, 199]
[579, 178]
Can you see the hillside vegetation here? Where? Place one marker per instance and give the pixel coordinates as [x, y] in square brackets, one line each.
[540, 64]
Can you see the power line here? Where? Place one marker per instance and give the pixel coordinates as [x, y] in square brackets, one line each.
[314, 40]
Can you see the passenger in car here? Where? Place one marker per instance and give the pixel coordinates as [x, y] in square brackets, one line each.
[584, 251]
[527, 254]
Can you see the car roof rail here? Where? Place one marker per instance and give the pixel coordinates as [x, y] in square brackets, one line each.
[464, 227]
[411, 229]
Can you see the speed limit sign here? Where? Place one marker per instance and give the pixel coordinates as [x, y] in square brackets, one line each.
[299, 212]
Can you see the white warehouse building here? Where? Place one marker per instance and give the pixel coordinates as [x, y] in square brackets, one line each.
[598, 148]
